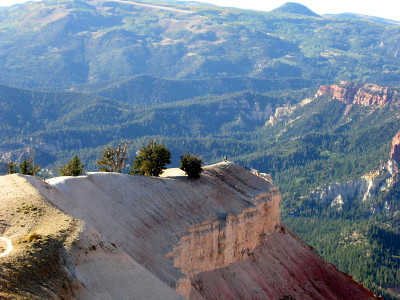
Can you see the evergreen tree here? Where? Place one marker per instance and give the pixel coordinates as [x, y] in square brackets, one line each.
[29, 167]
[73, 168]
[33, 169]
[151, 160]
[24, 167]
[114, 159]
[191, 165]
[11, 167]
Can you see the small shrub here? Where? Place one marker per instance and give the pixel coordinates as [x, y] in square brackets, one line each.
[33, 237]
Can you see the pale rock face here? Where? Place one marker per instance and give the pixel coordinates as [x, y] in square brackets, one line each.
[71, 260]
[365, 187]
[151, 213]
[218, 237]
[279, 113]
[337, 203]
[362, 188]
[221, 242]
[252, 111]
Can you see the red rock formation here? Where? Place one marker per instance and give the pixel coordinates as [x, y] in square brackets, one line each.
[217, 238]
[281, 267]
[395, 153]
[221, 242]
[344, 91]
[367, 95]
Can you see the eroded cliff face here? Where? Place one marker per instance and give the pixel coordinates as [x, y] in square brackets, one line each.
[279, 113]
[280, 267]
[395, 152]
[364, 188]
[223, 241]
[354, 93]
[148, 216]
[218, 237]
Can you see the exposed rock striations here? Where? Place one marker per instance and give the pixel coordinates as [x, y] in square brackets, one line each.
[364, 188]
[281, 267]
[216, 238]
[227, 239]
[369, 95]
[56, 256]
[355, 93]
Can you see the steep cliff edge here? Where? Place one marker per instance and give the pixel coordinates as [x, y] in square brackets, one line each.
[148, 216]
[362, 94]
[395, 152]
[216, 238]
[350, 93]
[366, 187]
[281, 267]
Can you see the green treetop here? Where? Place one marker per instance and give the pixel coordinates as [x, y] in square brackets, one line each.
[151, 160]
[72, 168]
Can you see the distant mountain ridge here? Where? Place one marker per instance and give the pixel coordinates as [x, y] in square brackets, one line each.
[217, 82]
[353, 16]
[150, 90]
[87, 42]
[295, 8]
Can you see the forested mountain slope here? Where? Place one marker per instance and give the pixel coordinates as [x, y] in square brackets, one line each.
[61, 44]
[261, 88]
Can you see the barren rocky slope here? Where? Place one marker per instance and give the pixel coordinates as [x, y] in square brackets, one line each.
[56, 256]
[216, 238]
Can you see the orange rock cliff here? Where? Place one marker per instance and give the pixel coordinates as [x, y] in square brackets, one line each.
[395, 152]
[354, 93]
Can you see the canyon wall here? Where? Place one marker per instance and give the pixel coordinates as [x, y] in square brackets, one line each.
[147, 217]
[362, 94]
[218, 237]
[364, 188]
[221, 242]
[395, 151]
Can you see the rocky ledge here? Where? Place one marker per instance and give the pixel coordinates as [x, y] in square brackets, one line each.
[219, 237]
[362, 94]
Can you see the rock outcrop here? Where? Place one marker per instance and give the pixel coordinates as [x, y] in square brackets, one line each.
[364, 188]
[219, 237]
[250, 109]
[355, 93]
[279, 113]
[227, 239]
[281, 267]
[395, 152]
